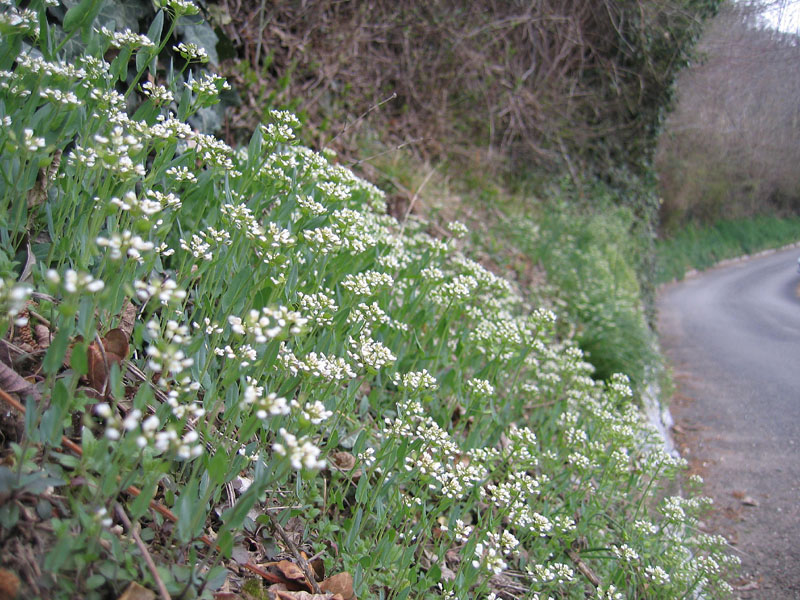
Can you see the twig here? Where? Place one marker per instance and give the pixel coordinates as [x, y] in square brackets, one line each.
[39, 317]
[392, 149]
[583, 568]
[134, 531]
[362, 117]
[416, 195]
[299, 557]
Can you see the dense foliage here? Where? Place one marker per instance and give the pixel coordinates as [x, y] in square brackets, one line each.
[730, 148]
[223, 349]
[552, 84]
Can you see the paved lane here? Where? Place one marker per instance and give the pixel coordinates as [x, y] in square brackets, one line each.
[732, 336]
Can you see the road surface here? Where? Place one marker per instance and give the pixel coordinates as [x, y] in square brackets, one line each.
[732, 336]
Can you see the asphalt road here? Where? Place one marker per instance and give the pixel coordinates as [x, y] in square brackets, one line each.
[732, 336]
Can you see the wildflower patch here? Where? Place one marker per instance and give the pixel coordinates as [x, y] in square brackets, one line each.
[237, 360]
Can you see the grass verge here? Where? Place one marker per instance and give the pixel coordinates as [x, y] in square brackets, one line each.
[701, 247]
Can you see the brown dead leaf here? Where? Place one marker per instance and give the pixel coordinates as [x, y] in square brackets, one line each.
[318, 566]
[113, 348]
[38, 193]
[134, 591]
[342, 460]
[13, 383]
[9, 584]
[127, 318]
[292, 574]
[284, 595]
[43, 335]
[340, 584]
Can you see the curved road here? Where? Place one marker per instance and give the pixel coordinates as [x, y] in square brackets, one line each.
[732, 336]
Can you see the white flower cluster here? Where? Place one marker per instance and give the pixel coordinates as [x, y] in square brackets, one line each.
[125, 244]
[127, 38]
[319, 308]
[458, 229]
[310, 206]
[207, 88]
[268, 323]
[315, 412]
[368, 353]
[164, 352]
[316, 364]
[13, 297]
[480, 388]
[167, 291]
[301, 452]
[66, 99]
[369, 314]
[75, 282]
[151, 204]
[201, 246]
[265, 406]
[367, 283]
[182, 174]
[415, 381]
[282, 130]
[191, 52]
[31, 142]
[179, 7]
[554, 572]
[214, 152]
[458, 289]
[25, 20]
[147, 432]
[111, 153]
[158, 94]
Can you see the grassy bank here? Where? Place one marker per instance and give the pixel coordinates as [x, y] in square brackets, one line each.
[218, 362]
[700, 247]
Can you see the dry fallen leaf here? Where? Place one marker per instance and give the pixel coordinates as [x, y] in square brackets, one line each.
[13, 383]
[293, 575]
[113, 348]
[318, 567]
[127, 318]
[342, 460]
[134, 591]
[9, 584]
[340, 584]
[285, 595]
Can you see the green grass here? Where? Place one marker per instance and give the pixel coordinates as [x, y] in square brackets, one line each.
[214, 345]
[701, 247]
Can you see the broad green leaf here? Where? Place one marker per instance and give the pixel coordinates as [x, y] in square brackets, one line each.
[78, 359]
[57, 350]
[81, 14]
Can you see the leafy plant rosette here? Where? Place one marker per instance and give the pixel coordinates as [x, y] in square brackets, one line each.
[223, 350]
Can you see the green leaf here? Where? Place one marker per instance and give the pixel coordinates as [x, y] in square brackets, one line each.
[9, 515]
[79, 360]
[94, 581]
[38, 482]
[217, 466]
[81, 15]
[142, 502]
[57, 350]
[353, 527]
[52, 425]
[156, 29]
[234, 516]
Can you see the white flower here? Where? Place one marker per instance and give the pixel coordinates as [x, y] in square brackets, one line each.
[191, 52]
[302, 453]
